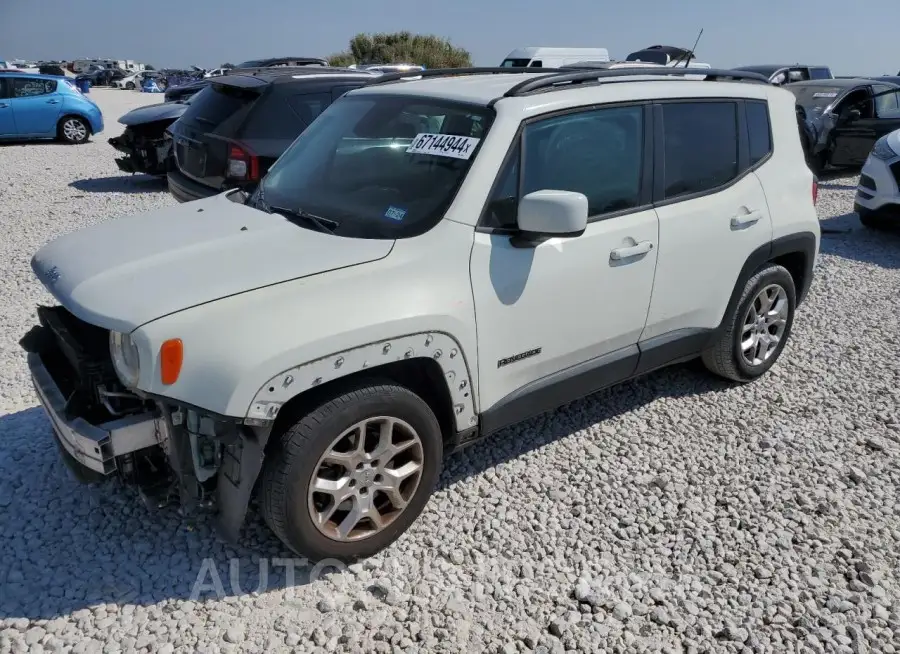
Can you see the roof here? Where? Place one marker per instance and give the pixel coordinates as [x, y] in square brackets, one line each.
[840, 82]
[274, 60]
[287, 75]
[19, 73]
[771, 68]
[485, 88]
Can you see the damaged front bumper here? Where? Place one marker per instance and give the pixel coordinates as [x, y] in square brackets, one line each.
[94, 448]
[143, 155]
[171, 452]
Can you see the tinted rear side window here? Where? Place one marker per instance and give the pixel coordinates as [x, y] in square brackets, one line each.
[284, 116]
[701, 146]
[758, 131]
[216, 104]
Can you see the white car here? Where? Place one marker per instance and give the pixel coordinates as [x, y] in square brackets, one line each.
[878, 195]
[133, 81]
[429, 262]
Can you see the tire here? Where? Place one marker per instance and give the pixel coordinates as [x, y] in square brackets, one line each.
[726, 357]
[297, 455]
[129, 86]
[873, 220]
[818, 162]
[73, 130]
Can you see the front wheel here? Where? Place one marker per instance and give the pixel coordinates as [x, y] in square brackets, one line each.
[349, 477]
[754, 335]
[129, 86]
[73, 129]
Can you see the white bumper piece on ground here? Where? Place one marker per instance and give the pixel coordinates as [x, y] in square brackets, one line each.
[93, 446]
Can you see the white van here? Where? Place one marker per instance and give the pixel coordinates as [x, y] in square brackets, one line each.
[541, 57]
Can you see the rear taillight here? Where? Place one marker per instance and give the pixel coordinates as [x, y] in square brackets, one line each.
[815, 190]
[242, 165]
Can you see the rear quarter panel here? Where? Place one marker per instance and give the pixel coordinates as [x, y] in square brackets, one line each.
[786, 179]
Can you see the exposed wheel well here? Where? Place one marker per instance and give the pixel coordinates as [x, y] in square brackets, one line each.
[421, 375]
[796, 264]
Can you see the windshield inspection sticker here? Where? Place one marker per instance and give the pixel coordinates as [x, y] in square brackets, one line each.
[444, 145]
[825, 94]
[395, 213]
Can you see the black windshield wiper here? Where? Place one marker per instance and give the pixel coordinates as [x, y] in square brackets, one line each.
[322, 224]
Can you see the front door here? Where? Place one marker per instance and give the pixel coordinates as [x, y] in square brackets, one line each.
[36, 105]
[854, 136]
[7, 122]
[561, 319]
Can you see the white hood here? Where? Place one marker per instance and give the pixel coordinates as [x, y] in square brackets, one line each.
[125, 272]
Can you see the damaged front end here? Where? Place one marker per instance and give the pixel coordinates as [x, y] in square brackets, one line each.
[169, 452]
[147, 149]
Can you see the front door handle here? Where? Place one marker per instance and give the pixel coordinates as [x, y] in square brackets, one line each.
[52, 101]
[3, 105]
[632, 251]
[745, 219]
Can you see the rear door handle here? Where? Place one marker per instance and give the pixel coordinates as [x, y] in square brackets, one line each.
[742, 220]
[632, 251]
[52, 101]
[3, 105]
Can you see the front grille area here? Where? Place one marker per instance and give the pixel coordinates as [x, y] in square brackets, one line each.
[895, 170]
[76, 354]
[867, 182]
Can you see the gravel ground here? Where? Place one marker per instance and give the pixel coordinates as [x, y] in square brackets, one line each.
[675, 513]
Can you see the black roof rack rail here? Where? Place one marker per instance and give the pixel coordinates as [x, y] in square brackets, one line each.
[548, 82]
[449, 72]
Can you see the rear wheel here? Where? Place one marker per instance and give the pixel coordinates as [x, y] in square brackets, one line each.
[73, 129]
[755, 334]
[350, 476]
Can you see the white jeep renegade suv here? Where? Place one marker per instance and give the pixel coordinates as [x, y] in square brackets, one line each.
[429, 262]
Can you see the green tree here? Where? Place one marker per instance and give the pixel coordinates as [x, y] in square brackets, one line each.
[402, 47]
[148, 67]
[227, 66]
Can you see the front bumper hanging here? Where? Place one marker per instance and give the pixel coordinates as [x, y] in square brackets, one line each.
[93, 447]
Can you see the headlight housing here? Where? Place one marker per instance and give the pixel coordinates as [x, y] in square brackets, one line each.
[882, 150]
[125, 358]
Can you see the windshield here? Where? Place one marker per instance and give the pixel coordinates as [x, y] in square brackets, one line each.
[379, 166]
[515, 63]
[814, 99]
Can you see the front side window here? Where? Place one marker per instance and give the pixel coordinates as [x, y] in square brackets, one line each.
[378, 166]
[701, 146]
[597, 153]
[820, 73]
[26, 88]
[887, 102]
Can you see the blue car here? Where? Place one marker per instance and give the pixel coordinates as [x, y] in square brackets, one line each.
[46, 107]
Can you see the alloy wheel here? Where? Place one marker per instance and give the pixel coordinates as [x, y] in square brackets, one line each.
[365, 479]
[74, 130]
[764, 325]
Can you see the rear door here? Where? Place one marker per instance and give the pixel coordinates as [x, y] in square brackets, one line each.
[201, 137]
[7, 122]
[36, 105]
[712, 210]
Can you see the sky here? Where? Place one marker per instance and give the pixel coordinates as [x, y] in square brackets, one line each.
[208, 33]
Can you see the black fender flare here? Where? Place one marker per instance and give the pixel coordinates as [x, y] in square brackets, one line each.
[800, 243]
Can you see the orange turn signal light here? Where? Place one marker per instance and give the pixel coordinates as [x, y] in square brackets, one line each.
[171, 356]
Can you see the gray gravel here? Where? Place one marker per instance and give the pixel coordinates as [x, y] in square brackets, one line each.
[675, 513]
